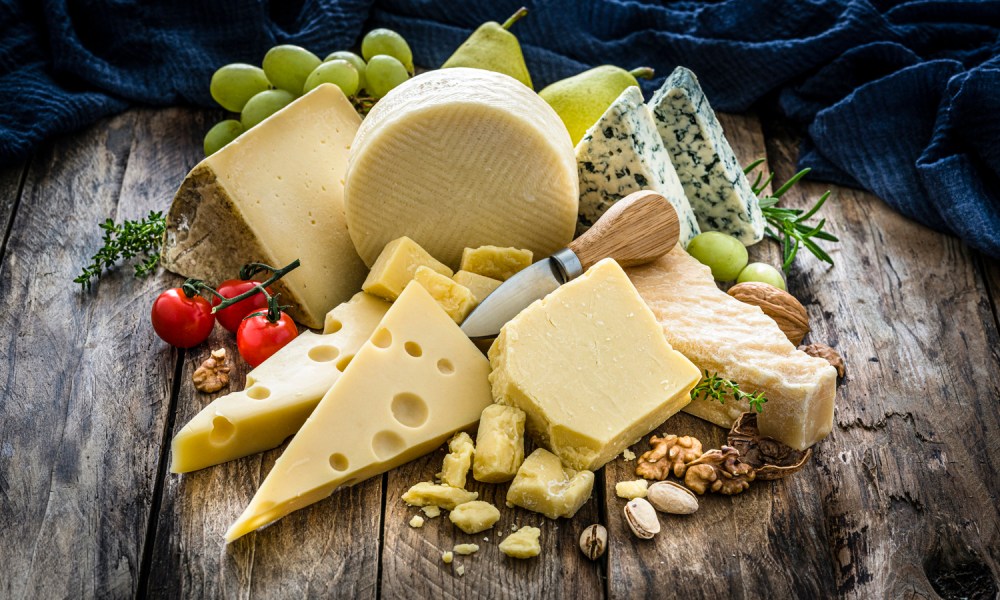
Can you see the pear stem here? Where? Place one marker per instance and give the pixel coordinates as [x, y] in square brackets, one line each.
[514, 18]
[642, 72]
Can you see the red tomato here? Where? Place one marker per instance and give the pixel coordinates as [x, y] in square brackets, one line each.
[231, 316]
[182, 321]
[258, 338]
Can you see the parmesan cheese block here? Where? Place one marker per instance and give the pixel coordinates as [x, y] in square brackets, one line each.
[280, 393]
[460, 158]
[275, 195]
[415, 382]
[721, 334]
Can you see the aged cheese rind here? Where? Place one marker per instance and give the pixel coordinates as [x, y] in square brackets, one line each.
[623, 153]
[704, 161]
[280, 393]
[275, 195]
[738, 341]
[460, 158]
[590, 367]
[389, 406]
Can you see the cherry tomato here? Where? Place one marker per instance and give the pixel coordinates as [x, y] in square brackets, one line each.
[257, 338]
[231, 316]
[180, 320]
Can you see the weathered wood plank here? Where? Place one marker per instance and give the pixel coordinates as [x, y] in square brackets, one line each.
[84, 384]
[907, 479]
[327, 550]
[411, 558]
[991, 273]
[11, 180]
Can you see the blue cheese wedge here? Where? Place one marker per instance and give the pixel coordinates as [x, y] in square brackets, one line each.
[622, 153]
[704, 161]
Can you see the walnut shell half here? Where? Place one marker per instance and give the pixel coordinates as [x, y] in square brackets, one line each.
[770, 458]
[782, 307]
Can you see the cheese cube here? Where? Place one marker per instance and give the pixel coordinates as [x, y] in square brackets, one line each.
[414, 383]
[590, 367]
[417, 522]
[274, 195]
[712, 178]
[479, 285]
[458, 460]
[500, 444]
[474, 516]
[739, 342]
[544, 486]
[280, 393]
[455, 299]
[443, 496]
[523, 543]
[396, 267]
[495, 262]
[623, 153]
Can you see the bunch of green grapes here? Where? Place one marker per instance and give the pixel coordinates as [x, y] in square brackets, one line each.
[288, 72]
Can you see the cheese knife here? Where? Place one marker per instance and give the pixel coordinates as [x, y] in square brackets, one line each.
[637, 229]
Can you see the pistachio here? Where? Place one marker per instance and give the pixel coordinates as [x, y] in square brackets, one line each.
[593, 541]
[641, 518]
[673, 498]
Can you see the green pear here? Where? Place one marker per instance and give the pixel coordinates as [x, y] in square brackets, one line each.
[580, 100]
[493, 48]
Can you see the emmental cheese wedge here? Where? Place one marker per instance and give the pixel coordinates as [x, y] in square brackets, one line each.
[590, 367]
[280, 393]
[460, 158]
[275, 195]
[738, 341]
[417, 381]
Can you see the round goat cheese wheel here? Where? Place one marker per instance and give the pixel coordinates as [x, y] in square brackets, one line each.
[461, 158]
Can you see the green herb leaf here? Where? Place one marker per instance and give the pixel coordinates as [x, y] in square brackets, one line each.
[131, 239]
[713, 387]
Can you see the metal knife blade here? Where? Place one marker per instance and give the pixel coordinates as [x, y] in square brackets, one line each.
[519, 291]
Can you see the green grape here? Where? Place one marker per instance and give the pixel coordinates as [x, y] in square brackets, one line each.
[221, 134]
[383, 74]
[354, 59]
[722, 253]
[764, 273]
[263, 105]
[288, 67]
[388, 42]
[232, 85]
[338, 72]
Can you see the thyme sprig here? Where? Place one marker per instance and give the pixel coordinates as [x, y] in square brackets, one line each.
[714, 387]
[788, 226]
[140, 238]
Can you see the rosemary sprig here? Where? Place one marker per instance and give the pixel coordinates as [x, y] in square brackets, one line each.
[713, 387]
[121, 242]
[788, 226]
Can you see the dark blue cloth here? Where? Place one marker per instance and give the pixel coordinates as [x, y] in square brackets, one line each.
[900, 97]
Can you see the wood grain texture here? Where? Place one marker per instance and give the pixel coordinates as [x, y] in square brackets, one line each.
[84, 382]
[411, 558]
[11, 180]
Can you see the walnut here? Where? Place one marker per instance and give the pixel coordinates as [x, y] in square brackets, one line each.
[769, 458]
[719, 471]
[782, 307]
[827, 353]
[677, 452]
[213, 374]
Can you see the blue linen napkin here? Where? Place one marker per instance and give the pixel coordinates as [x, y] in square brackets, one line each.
[900, 97]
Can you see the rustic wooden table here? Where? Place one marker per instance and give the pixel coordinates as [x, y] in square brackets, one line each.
[900, 501]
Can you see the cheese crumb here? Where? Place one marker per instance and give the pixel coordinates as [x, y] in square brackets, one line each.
[631, 490]
[466, 549]
[628, 455]
[431, 511]
[417, 521]
[447, 557]
[460, 569]
[523, 544]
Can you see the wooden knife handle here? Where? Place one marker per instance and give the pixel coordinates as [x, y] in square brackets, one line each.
[637, 229]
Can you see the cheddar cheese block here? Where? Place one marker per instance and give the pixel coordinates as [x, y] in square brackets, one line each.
[280, 393]
[460, 158]
[416, 381]
[590, 367]
[738, 341]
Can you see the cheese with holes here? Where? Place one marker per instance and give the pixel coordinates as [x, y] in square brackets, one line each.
[544, 486]
[460, 158]
[623, 153]
[479, 285]
[495, 262]
[280, 393]
[396, 267]
[739, 342]
[414, 383]
[590, 367]
[713, 180]
[274, 195]
[456, 299]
